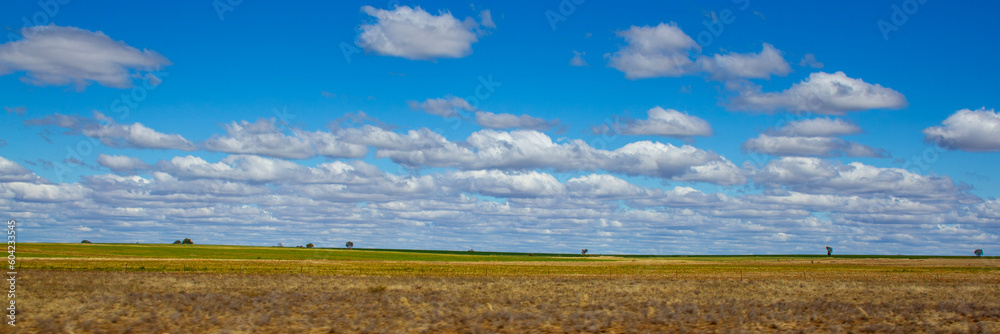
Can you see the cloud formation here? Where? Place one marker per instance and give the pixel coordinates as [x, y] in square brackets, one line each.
[447, 107]
[452, 107]
[237, 197]
[122, 164]
[509, 121]
[415, 34]
[266, 138]
[650, 52]
[967, 130]
[812, 137]
[822, 93]
[114, 134]
[666, 51]
[745, 66]
[660, 122]
[528, 149]
[56, 56]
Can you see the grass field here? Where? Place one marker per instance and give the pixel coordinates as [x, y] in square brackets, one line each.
[119, 288]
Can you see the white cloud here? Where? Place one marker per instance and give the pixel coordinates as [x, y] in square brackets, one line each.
[809, 146]
[11, 171]
[447, 107]
[508, 184]
[36, 192]
[264, 137]
[54, 55]
[529, 149]
[819, 127]
[666, 51]
[508, 121]
[113, 134]
[812, 137]
[415, 34]
[823, 93]
[746, 66]
[249, 168]
[968, 130]
[603, 186]
[528, 210]
[816, 176]
[662, 122]
[451, 107]
[650, 52]
[122, 164]
[136, 135]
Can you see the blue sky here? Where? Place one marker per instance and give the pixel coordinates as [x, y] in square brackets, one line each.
[725, 127]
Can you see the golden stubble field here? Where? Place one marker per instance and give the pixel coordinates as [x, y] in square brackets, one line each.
[614, 296]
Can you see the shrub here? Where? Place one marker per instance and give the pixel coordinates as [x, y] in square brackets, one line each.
[85, 242]
[177, 242]
[187, 241]
[309, 245]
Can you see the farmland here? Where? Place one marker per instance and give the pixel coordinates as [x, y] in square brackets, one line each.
[199, 288]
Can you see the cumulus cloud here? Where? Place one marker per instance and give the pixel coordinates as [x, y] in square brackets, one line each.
[54, 55]
[745, 66]
[122, 164]
[39, 192]
[819, 127]
[113, 134]
[249, 168]
[967, 130]
[508, 184]
[508, 121]
[816, 176]
[823, 93]
[527, 149]
[447, 107]
[812, 137]
[11, 171]
[661, 122]
[604, 186]
[264, 137]
[660, 51]
[452, 107]
[415, 34]
[230, 200]
[809, 146]
[666, 51]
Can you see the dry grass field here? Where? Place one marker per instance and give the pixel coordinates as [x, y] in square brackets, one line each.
[607, 295]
